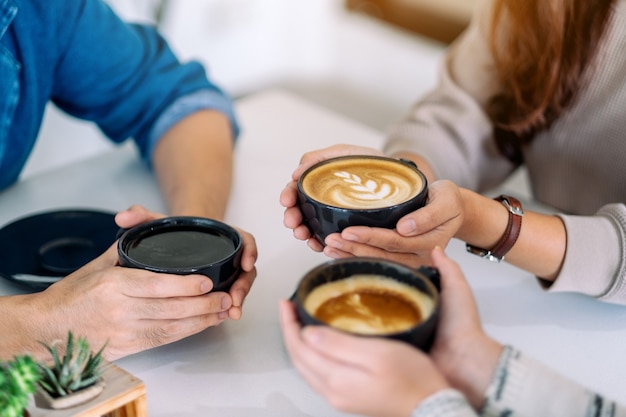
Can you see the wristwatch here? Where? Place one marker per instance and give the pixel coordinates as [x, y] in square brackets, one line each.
[511, 233]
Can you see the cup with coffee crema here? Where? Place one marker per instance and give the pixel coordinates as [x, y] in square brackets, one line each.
[184, 245]
[371, 297]
[359, 190]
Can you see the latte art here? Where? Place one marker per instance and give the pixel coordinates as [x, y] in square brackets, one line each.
[369, 304]
[362, 183]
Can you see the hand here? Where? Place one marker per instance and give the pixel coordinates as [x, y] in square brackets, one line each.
[135, 215]
[361, 375]
[462, 350]
[239, 290]
[415, 234]
[289, 195]
[129, 309]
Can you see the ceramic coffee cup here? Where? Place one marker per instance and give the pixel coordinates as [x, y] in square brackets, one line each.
[371, 297]
[183, 246]
[359, 190]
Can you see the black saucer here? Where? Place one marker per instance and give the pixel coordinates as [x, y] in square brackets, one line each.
[38, 250]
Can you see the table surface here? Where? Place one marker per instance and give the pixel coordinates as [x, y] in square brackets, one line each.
[240, 368]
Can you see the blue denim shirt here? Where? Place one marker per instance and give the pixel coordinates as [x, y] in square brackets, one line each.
[82, 57]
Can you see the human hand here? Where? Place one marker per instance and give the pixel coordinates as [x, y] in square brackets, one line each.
[289, 196]
[462, 350]
[241, 287]
[361, 375]
[415, 235]
[135, 215]
[129, 309]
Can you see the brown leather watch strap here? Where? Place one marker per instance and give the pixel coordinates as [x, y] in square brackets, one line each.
[511, 233]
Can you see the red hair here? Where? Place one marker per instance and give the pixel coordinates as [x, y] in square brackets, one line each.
[541, 61]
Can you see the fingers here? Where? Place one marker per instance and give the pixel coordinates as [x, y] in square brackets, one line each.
[455, 288]
[444, 207]
[239, 291]
[310, 158]
[250, 252]
[135, 215]
[138, 283]
[380, 243]
[289, 195]
[305, 359]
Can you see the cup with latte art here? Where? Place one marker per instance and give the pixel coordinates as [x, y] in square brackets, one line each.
[371, 297]
[359, 190]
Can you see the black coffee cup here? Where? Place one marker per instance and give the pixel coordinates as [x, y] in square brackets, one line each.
[359, 190]
[184, 245]
[372, 297]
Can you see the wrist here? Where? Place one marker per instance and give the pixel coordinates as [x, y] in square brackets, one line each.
[470, 368]
[484, 220]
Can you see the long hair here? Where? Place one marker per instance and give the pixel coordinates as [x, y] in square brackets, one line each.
[541, 50]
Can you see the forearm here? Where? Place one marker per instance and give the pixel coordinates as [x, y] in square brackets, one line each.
[22, 326]
[540, 248]
[193, 162]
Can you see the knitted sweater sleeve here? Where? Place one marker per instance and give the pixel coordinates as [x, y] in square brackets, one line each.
[595, 262]
[522, 387]
[446, 403]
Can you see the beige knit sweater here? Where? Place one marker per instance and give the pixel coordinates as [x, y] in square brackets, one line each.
[578, 166]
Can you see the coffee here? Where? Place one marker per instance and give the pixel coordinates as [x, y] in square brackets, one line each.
[184, 245]
[362, 183]
[369, 304]
[181, 248]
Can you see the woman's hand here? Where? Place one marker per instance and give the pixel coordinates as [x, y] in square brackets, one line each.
[368, 376]
[289, 195]
[415, 235]
[462, 350]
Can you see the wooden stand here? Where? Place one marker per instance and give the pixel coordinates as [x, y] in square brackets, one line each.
[124, 396]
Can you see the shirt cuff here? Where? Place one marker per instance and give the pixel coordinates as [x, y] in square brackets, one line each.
[594, 262]
[186, 105]
[445, 403]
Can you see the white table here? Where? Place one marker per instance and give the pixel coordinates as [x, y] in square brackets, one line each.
[240, 368]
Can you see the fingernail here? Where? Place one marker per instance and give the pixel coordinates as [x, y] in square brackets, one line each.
[225, 303]
[206, 286]
[407, 227]
[312, 334]
[349, 236]
[222, 315]
[333, 242]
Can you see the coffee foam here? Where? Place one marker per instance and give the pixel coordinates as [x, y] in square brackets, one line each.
[363, 183]
[369, 304]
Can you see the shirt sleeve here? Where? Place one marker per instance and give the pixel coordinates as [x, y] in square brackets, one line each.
[449, 126]
[446, 403]
[125, 77]
[595, 261]
[522, 387]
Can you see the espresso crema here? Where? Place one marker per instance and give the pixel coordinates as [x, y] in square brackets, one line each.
[362, 183]
[369, 305]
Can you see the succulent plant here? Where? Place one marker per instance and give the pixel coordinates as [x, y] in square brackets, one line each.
[76, 369]
[18, 378]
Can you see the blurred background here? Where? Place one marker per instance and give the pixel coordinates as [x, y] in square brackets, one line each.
[366, 59]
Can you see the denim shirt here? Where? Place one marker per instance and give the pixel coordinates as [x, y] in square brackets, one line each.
[82, 57]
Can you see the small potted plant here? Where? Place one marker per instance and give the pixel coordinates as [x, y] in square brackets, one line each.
[18, 379]
[71, 378]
